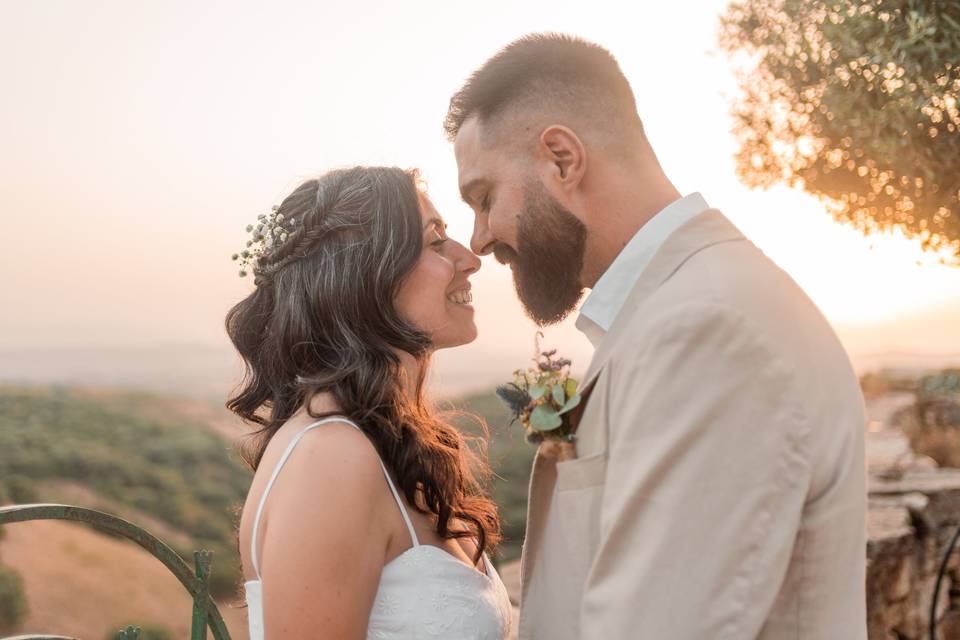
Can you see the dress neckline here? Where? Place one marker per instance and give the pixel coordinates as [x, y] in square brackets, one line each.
[484, 574]
[451, 557]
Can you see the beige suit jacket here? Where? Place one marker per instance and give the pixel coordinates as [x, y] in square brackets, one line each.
[719, 490]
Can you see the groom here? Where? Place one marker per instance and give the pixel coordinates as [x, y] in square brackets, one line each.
[719, 490]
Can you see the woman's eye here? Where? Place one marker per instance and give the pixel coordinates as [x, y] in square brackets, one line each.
[485, 204]
[438, 242]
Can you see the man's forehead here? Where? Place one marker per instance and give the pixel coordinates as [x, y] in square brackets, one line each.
[468, 141]
[468, 150]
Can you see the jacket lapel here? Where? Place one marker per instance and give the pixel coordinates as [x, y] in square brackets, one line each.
[707, 229]
[542, 479]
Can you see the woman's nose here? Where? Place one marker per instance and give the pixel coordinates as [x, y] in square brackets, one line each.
[467, 261]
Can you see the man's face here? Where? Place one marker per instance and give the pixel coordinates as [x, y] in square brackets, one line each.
[524, 227]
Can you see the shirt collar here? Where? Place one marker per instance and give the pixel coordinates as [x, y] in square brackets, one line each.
[606, 299]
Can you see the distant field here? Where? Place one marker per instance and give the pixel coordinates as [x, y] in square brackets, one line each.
[84, 584]
[169, 465]
[511, 458]
[136, 454]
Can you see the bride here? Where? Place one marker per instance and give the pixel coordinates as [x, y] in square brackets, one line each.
[367, 516]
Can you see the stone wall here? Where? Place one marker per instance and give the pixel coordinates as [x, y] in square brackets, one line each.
[911, 521]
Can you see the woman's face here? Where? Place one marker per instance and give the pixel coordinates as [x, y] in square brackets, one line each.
[435, 297]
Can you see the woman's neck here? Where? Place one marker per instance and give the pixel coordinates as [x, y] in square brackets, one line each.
[410, 370]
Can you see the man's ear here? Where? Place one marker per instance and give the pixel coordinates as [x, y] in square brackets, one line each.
[565, 154]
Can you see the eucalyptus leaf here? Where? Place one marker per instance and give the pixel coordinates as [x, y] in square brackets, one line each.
[559, 397]
[571, 404]
[545, 418]
[571, 387]
[536, 391]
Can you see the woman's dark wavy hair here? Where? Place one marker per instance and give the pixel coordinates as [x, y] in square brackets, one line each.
[322, 319]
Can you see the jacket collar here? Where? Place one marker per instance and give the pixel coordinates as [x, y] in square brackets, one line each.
[610, 292]
[705, 230]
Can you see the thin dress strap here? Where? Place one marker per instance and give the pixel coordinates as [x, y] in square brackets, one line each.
[283, 460]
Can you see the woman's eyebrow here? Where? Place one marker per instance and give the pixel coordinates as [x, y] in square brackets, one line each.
[435, 222]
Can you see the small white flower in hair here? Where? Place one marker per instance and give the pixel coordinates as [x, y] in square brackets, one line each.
[267, 234]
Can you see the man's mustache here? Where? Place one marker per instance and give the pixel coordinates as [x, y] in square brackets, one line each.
[503, 253]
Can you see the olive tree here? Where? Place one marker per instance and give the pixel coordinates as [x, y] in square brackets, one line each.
[856, 102]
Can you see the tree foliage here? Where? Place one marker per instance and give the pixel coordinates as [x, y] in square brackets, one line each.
[856, 102]
[13, 603]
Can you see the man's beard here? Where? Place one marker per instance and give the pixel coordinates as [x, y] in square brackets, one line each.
[549, 257]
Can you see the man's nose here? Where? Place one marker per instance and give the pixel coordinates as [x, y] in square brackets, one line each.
[482, 241]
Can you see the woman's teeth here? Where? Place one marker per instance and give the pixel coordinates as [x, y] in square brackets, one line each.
[460, 297]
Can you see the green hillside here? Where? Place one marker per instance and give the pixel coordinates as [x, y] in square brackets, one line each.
[137, 453]
[142, 457]
[511, 458]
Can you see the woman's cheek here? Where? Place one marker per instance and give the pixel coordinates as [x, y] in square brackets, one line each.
[442, 271]
[426, 302]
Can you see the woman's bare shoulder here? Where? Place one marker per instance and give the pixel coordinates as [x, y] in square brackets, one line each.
[333, 457]
[332, 480]
[325, 538]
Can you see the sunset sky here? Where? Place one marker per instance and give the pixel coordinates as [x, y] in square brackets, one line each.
[138, 139]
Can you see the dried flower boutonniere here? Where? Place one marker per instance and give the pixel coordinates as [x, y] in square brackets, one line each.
[541, 398]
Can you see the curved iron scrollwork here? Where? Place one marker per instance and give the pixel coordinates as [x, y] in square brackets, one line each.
[195, 581]
[936, 587]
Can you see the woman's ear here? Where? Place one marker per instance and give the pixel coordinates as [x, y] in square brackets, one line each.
[566, 155]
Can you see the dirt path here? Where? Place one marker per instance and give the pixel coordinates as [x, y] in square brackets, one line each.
[84, 584]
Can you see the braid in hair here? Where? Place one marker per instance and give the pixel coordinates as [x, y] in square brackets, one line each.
[303, 208]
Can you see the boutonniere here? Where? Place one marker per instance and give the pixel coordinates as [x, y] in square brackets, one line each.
[541, 398]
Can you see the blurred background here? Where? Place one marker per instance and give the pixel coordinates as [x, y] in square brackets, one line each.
[138, 139]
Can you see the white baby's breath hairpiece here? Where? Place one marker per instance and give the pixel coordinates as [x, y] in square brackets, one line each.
[270, 231]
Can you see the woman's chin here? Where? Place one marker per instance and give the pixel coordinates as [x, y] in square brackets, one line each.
[466, 335]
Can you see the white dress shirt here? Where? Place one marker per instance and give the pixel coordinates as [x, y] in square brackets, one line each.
[606, 299]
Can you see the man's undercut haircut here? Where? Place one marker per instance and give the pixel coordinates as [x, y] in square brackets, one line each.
[555, 75]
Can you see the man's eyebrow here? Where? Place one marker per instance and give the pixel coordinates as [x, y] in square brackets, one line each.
[466, 189]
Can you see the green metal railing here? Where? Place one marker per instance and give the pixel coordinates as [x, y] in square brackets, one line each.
[195, 581]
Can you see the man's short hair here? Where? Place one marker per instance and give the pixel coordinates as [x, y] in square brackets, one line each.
[550, 73]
